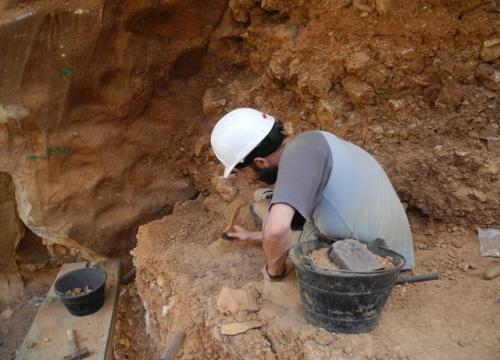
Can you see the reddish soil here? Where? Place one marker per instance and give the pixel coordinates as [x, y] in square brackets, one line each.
[15, 327]
[182, 267]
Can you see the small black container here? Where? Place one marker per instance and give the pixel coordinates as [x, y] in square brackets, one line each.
[86, 304]
[343, 301]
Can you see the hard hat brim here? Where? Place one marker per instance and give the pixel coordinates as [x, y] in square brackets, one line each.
[227, 171]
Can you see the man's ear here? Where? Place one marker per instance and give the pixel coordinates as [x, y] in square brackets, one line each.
[261, 162]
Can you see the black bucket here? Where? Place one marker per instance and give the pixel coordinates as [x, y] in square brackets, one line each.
[86, 304]
[343, 301]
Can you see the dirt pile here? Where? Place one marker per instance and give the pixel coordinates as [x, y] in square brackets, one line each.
[212, 289]
[414, 83]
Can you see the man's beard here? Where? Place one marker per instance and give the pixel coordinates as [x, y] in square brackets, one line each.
[268, 175]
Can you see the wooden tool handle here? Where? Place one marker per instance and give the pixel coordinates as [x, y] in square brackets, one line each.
[73, 347]
[236, 213]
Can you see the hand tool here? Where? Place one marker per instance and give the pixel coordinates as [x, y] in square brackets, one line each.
[74, 353]
[230, 228]
[174, 346]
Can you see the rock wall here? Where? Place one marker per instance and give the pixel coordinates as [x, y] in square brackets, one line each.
[89, 157]
[414, 83]
[11, 228]
[101, 122]
[11, 232]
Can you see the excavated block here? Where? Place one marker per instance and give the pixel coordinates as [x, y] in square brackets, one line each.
[354, 256]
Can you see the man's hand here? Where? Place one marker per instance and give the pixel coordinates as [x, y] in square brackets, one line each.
[240, 233]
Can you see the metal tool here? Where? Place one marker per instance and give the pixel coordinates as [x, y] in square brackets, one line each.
[128, 276]
[174, 346]
[74, 353]
[416, 278]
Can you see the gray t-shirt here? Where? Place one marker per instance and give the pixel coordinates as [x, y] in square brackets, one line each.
[304, 170]
[343, 191]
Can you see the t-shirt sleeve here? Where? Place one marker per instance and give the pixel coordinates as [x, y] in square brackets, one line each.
[304, 170]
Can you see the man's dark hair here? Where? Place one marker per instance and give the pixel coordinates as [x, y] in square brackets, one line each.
[267, 146]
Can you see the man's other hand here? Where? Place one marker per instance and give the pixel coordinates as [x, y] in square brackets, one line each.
[240, 233]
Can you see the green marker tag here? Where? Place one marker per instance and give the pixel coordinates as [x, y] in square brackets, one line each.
[66, 72]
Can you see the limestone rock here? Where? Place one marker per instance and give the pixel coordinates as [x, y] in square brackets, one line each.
[234, 300]
[275, 5]
[488, 76]
[87, 163]
[228, 28]
[357, 61]
[358, 91]
[213, 102]
[316, 81]
[491, 50]
[239, 327]
[240, 9]
[11, 287]
[7, 313]
[362, 5]
[383, 6]
[11, 228]
[224, 188]
[315, 351]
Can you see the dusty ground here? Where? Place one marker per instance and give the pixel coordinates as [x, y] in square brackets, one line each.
[183, 267]
[15, 327]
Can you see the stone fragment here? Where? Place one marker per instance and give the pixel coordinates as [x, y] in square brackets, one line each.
[160, 280]
[382, 6]
[15, 112]
[213, 103]
[7, 313]
[361, 5]
[228, 28]
[396, 104]
[352, 255]
[240, 9]
[316, 81]
[234, 300]
[314, 351]
[239, 327]
[324, 337]
[423, 246]
[11, 286]
[488, 76]
[224, 188]
[275, 5]
[377, 129]
[491, 50]
[358, 91]
[357, 61]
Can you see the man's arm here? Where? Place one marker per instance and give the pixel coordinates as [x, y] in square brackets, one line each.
[277, 237]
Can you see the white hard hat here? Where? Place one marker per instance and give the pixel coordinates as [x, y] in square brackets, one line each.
[237, 134]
